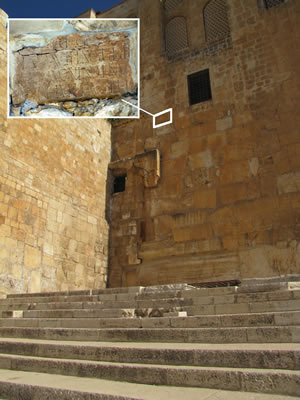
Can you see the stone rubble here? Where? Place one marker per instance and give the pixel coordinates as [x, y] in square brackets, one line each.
[87, 108]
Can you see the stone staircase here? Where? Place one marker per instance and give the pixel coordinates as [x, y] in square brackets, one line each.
[235, 342]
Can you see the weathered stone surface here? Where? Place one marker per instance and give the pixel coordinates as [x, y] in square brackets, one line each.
[229, 167]
[104, 26]
[35, 26]
[76, 66]
[52, 178]
[32, 257]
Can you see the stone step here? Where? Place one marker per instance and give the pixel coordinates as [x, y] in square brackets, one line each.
[278, 356]
[101, 313]
[160, 291]
[276, 334]
[157, 292]
[70, 298]
[237, 308]
[93, 320]
[132, 289]
[131, 300]
[190, 292]
[104, 302]
[242, 297]
[86, 313]
[32, 385]
[250, 380]
[253, 287]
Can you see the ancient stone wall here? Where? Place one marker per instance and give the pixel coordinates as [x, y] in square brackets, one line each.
[227, 203]
[53, 176]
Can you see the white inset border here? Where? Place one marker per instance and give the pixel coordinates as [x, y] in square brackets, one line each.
[169, 110]
[76, 19]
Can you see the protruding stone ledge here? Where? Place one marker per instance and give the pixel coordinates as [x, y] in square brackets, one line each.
[147, 164]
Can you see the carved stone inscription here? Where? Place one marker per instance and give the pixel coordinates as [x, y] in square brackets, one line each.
[74, 67]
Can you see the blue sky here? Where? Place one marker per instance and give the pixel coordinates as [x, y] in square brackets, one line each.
[52, 8]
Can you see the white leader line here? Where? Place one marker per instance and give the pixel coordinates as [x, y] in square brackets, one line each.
[139, 108]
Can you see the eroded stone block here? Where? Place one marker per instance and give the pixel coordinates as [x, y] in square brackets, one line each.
[76, 66]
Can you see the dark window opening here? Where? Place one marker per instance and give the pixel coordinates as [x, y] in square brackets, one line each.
[273, 3]
[199, 87]
[119, 184]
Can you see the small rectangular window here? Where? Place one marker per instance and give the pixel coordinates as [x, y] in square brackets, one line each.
[199, 87]
[273, 3]
[119, 184]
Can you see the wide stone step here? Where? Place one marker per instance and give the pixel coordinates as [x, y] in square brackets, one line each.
[70, 298]
[132, 289]
[249, 380]
[103, 313]
[89, 314]
[278, 356]
[242, 297]
[188, 298]
[95, 302]
[245, 287]
[284, 334]
[93, 320]
[237, 308]
[32, 385]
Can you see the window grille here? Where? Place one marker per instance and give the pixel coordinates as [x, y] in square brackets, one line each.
[119, 184]
[176, 36]
[273, 3]
[171, 4]
[199, 87]
[216, 22]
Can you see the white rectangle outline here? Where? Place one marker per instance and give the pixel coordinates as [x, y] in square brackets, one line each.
[170, 110]
[76, 19]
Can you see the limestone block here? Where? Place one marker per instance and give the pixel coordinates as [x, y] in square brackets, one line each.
[224, 123]
[48, 260]
[76, 66]
[18, 314]
[48, 249]
[288, 183]
[179, 149]
[32, 257]
[92, 220]
[34, 285]
[267, 261]
[254, 165]
[4, 253]
[10, 243]
[79, 270]
[201, 160]
[205, 198]
[29, 26]
[72, 246]
[100, 25]
[196, 232]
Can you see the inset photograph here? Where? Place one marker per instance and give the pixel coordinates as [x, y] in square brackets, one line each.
[64, 68]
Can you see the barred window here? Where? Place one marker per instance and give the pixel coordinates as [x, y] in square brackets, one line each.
[273, 3]
[176, 36]
[216, 22]
[171, 4]
[199, 87]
